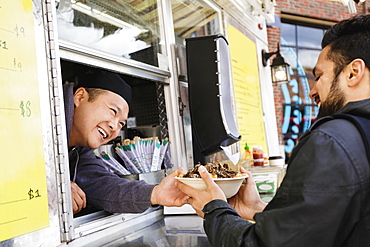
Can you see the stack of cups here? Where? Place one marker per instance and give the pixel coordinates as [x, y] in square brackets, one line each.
[277, 161]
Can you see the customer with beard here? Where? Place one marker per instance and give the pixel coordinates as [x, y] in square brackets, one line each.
[324, 199]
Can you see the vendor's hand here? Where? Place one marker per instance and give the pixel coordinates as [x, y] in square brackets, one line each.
[199, 198]
[167, 194]
[247, 201]
[78, 198]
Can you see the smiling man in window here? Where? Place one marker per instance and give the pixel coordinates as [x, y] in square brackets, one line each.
[96, 110]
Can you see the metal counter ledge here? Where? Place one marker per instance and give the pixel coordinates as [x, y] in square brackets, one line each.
[152, 229]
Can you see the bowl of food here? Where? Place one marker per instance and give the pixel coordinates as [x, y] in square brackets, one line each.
[227, 179]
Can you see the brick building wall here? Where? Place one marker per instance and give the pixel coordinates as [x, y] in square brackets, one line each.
[323, 10]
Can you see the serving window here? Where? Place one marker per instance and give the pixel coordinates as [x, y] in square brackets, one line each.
[128, 29]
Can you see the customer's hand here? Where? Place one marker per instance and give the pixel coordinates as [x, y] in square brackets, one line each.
[166, 192]
[247, 201]
[199, 198]
[78, 198]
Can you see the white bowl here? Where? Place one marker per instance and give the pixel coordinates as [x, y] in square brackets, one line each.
[229, 186]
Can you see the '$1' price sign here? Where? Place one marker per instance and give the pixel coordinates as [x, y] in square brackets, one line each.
[33, 194]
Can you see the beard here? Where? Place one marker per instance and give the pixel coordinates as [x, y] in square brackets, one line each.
[334, 102]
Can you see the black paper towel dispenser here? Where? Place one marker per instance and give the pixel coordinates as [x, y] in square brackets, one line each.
[210, 93]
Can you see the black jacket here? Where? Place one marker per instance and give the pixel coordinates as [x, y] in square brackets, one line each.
[324, 199]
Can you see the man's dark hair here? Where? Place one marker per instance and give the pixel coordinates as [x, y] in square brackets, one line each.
[349, 39]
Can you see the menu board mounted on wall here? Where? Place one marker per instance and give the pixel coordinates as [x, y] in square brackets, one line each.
[23, 200]
[247, 91]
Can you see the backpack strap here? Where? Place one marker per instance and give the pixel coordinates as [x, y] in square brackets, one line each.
[363, 126]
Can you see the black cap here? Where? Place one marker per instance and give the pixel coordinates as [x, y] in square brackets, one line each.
[106, 80]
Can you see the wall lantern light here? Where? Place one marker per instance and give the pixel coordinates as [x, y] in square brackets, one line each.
[279, 68]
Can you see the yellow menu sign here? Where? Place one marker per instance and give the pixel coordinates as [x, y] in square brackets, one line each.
[247, 92]
[23, 200]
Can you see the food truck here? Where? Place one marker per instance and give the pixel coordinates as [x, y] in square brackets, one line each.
[193, 110]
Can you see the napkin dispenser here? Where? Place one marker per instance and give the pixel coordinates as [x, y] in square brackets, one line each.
[210, 88]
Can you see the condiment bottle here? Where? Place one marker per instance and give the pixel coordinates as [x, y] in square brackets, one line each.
[257, 156]
[247, 153]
